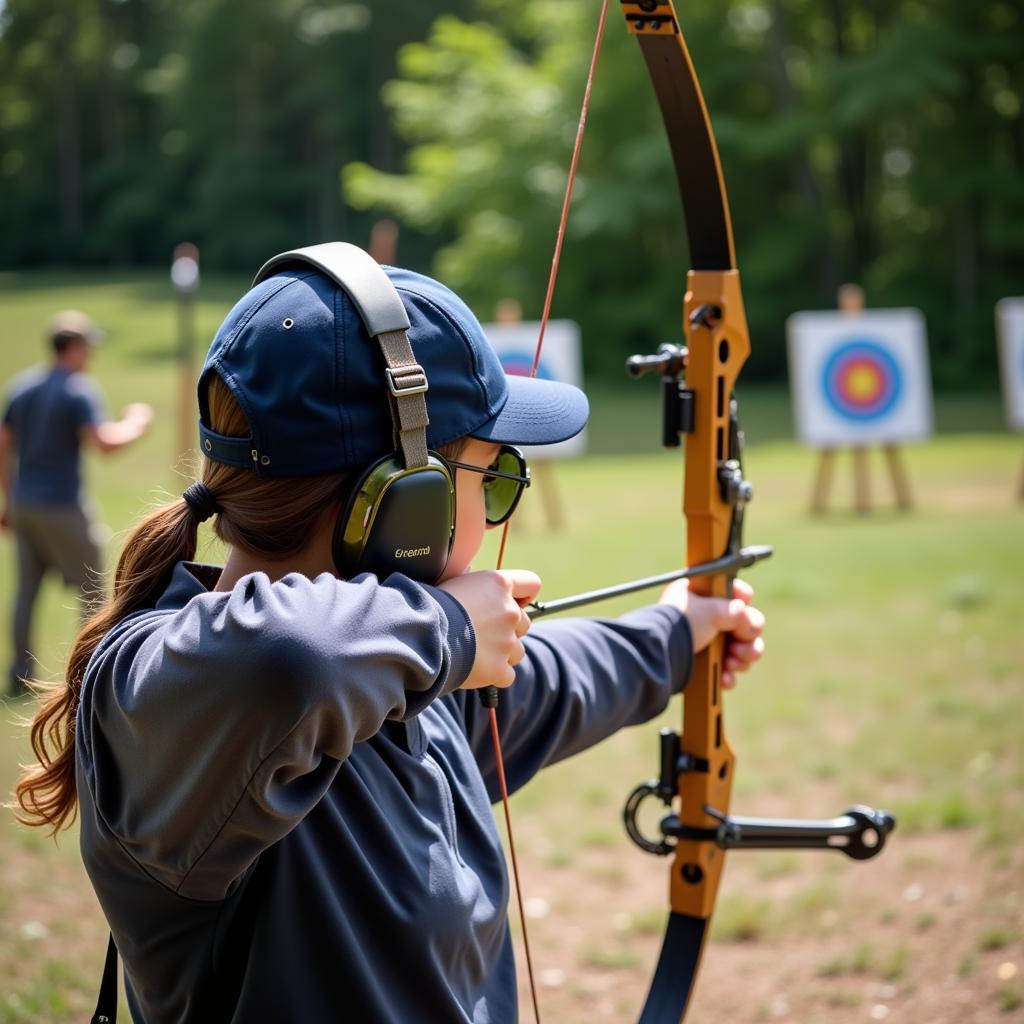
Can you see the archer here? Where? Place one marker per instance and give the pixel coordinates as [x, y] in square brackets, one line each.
[284, 780]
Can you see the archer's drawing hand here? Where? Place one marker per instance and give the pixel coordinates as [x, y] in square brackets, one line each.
[494, 600]
[710, 616]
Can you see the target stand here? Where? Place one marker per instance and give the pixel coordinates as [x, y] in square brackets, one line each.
[859, 382]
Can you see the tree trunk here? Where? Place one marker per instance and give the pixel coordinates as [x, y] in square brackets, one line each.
[111, 134]
[853, 168]
[825, 264]
[69, 165]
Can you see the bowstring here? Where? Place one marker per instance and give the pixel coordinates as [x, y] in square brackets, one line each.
[545, 316]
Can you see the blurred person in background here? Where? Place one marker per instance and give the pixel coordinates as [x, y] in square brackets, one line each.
[51, 411]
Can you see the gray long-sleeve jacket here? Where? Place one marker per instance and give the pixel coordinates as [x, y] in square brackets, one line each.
[285, 804]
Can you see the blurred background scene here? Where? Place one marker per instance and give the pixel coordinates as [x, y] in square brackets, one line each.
[867, 143]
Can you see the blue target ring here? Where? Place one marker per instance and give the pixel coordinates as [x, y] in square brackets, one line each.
[861, 380]
[519, 364]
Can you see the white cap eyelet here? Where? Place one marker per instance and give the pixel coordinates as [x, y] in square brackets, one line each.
[288, 323]
[264, 460]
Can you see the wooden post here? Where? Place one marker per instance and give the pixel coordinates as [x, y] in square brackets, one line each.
[185, 278]
[900, 480]
[822, 481]
[384, 242]
[861, 479]
[544, 474]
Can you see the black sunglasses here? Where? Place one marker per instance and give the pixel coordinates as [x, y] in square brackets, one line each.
[505, 480]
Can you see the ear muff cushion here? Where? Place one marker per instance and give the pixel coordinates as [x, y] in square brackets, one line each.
[398, 520]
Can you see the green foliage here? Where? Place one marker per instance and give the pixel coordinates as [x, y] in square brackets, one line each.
[859, 142]
[1010, 998]
[879, 143]
[127, 126]
[994, 938]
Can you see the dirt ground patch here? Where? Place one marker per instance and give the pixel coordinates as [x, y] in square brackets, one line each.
[930, 933]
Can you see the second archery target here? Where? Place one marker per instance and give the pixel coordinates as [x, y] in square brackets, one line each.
[859, 379]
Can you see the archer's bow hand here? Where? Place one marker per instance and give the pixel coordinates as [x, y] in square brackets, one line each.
[709, 616]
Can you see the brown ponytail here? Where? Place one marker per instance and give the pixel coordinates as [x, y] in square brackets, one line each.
[259, 515]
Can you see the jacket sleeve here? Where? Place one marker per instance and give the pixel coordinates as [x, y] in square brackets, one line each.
[581, 681]
[207, 733]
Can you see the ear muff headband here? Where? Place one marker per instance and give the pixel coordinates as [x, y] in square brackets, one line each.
[400, 516]
[355, 271]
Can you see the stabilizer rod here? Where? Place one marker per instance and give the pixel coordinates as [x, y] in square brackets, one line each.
[859, 832]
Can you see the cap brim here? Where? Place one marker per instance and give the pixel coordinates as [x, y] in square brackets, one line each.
[537, 412]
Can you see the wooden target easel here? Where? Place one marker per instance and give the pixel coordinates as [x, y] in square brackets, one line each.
[862, 479]
[851, 301]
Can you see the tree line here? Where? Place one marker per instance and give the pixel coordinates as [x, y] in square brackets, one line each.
[878, 143]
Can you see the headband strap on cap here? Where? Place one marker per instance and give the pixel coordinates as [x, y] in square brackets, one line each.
[202, 502]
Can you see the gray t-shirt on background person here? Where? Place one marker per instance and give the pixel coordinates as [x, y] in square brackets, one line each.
[47, 407]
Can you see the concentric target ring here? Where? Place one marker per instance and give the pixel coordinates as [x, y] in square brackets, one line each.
[861, 380]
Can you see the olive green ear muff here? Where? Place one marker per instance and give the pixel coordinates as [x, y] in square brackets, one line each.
[400, 516]
[398, 520]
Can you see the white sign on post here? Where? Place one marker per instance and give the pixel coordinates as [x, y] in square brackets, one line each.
[859, 378]
[1010, 330]
[561, 359]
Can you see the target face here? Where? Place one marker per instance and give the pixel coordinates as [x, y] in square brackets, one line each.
[561, 359]
[518, 363]
[859, 379]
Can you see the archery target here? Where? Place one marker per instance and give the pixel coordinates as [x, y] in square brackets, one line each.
[1010, 330]
[561, 359]
[519, 363]
[860, 378]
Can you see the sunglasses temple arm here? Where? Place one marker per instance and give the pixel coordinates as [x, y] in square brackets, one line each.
[727, 564]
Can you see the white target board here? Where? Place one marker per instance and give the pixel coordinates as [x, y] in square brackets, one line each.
[859, 378]
[1010, 329]
[561, 359]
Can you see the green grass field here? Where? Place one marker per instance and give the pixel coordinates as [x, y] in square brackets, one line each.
[893, 676]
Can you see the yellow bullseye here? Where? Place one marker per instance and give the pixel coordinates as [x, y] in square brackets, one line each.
[862, 383]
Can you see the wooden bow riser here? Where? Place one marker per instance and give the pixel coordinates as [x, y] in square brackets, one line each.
[716, 355]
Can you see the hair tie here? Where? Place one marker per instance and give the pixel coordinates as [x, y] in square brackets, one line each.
[203, 504]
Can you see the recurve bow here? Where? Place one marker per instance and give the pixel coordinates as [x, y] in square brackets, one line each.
[698, 381]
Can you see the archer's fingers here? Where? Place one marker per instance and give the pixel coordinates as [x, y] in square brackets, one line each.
[741, 656]
[743, 590]
[743, 621]
[522, 584]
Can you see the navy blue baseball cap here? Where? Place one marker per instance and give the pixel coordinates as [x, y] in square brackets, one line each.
[296, 355]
